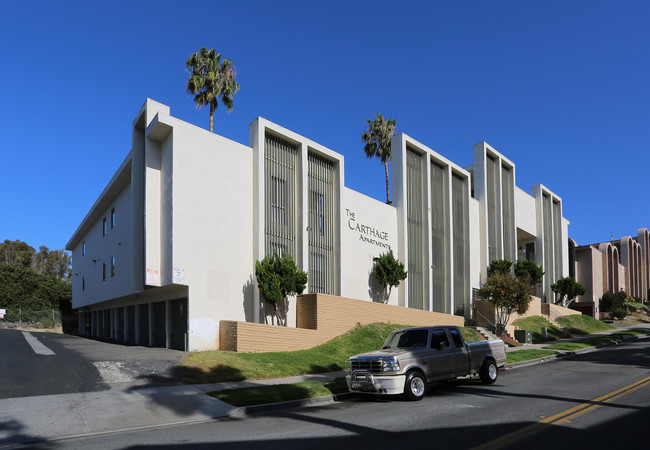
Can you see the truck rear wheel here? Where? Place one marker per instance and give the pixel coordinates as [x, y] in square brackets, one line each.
[415, 387]
[489, 372]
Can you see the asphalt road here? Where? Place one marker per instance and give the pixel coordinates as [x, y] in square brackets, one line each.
[61, 364]
[597, 400]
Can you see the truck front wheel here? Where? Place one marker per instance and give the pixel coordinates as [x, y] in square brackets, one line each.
[489, 372]
[416, 386]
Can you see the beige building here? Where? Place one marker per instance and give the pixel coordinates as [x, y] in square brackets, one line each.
[611, 267]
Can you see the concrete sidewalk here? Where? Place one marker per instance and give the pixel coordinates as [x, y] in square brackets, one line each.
[49, 417]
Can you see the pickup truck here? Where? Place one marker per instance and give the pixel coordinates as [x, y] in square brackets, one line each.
[412, 358]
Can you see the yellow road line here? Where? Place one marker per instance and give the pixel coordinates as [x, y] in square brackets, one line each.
[560, 418]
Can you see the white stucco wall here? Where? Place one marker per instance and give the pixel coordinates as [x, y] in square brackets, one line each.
[101, 249]
[368, 229]
[474, 243]
[525, 216]
[208, 244]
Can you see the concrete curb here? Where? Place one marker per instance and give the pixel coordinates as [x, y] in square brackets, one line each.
[293, 404]
[565, 354]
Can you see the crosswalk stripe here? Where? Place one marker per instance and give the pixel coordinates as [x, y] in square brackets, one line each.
[38, 347]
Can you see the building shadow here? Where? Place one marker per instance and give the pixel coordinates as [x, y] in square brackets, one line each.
[375, 289]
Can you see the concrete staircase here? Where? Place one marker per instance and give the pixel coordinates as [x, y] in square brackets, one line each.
[487, 334]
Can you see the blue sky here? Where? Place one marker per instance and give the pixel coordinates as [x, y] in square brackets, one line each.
[560, 88]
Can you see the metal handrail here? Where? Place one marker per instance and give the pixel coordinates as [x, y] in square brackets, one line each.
[492, 324]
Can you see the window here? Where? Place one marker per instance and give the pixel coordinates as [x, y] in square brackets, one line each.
[83, 283]
[112, 266]
[104, 227]
[83, 248]
[455, 335]
[104, 271]
[439, 339]
[278, 202]
[112, 218]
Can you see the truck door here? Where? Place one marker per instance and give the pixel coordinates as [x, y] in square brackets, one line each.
[460, 354]
[440, 364]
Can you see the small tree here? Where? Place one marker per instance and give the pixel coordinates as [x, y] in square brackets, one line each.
[389, 272]
[501, 266]
[278, 277]
[525, 268]
[567, 289]
[508, 294]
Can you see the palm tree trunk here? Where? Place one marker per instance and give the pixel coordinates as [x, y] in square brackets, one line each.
[387, 185]
[211, 115]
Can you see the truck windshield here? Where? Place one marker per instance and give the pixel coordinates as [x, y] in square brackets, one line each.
[407, 339]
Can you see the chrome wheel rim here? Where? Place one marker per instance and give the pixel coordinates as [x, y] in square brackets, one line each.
[492, 372]
[417, 386]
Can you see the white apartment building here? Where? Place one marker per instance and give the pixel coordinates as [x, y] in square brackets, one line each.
[169, 248]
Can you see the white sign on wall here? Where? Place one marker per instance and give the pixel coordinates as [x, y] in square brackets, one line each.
[179, 276]
[153, 277]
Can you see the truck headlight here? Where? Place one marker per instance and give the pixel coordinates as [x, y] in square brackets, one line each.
[390, 365]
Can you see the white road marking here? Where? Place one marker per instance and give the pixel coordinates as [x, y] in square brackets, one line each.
[38, 347]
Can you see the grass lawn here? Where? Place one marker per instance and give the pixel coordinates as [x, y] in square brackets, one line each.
[596, 340]
[527, 355]
[216, 366]
[576, 324]
[582, 324]
[535, 324]
[280, 393]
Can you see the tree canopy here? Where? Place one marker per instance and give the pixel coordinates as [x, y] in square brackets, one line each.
[567, 289]
[501, 266]
[277, 278]
[377, 137]
[55, 263]
[211, 80]
[389, 272]
[525, 268]
[508, 294]
[21, 287]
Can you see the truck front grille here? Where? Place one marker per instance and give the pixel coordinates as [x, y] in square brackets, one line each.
[371, 365]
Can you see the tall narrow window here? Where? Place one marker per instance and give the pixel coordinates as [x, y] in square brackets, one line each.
[460, 236]
[493, 222]
[280, 196]
[508, 209]
[439, 230]
[415, 220]
[321, 173]
[547, 229]
[104, 227]
[104, 271]
[112, 266]
[112, 218]
[83, 248]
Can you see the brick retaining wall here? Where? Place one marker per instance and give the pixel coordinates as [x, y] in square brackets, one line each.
[319, 318]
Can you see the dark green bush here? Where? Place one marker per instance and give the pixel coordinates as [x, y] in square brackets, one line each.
[609, 302]
[620, 312]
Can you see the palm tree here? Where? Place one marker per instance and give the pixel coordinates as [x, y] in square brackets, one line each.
[210, 80]
[377, 138]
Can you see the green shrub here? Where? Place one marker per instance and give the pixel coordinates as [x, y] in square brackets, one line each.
[619, 312]
[609, 302]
